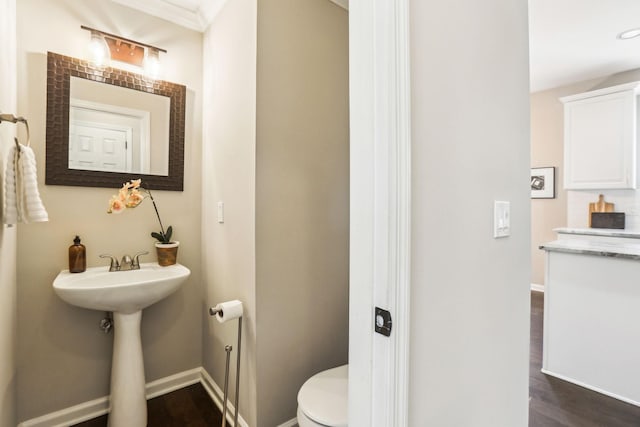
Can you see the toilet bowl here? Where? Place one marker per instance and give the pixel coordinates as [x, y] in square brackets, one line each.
[322, 399]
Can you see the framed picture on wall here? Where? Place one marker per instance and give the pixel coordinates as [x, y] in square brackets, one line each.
[543, 183]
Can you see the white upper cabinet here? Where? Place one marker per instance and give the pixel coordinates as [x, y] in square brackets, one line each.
[600, 138]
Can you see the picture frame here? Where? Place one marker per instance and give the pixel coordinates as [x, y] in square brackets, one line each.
[543, 183]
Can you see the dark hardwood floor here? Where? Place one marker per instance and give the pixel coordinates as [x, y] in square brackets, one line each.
[553, 403]
[557, 403]
[188, 407]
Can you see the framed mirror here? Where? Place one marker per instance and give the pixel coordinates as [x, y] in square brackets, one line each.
[106, 126]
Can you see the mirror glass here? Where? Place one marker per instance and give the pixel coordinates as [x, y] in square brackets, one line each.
[106, 126]
[111, 130]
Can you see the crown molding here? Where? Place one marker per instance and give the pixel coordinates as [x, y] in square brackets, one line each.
[198, 20]
[342, 3]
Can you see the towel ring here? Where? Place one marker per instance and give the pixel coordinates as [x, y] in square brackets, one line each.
[13, 119]
[26, 125]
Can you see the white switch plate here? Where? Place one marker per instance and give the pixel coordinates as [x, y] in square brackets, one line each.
[501, 219]
[220, 212]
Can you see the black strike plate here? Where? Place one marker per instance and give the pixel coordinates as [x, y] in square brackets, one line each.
[382, 322]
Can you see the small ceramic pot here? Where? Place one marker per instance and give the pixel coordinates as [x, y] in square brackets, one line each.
[167, 253]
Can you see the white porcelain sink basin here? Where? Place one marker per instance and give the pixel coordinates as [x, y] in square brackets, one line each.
[120, 291]
[125, 293]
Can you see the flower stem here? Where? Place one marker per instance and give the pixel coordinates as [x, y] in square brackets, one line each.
[157, 213]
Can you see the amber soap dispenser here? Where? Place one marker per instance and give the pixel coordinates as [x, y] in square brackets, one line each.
[77, 256]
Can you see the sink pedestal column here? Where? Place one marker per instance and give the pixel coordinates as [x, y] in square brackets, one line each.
[128, 403]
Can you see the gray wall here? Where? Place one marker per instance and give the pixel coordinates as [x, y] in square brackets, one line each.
[276, 153]
[60, 347]
[470, 143]
[228, 170]
[7, 235]
[302, 199]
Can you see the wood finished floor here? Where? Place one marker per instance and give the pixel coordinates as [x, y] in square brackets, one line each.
[557, 403]
[554, 403]
[188, 407]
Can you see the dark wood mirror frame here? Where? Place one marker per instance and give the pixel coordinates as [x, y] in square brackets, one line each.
[59, 71]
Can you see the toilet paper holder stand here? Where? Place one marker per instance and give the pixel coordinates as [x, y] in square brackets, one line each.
[213, 311]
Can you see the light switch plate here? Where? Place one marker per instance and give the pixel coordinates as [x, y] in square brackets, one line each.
[501, 219]
[220, 212]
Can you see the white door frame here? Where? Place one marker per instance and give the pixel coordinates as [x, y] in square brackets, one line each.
[380, 211]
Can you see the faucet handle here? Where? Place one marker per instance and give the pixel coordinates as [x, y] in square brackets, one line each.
[115, 266]
[136, 261]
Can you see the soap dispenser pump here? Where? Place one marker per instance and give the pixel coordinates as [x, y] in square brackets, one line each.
[77, 256]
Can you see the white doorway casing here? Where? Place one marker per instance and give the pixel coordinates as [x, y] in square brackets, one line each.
[380, 212]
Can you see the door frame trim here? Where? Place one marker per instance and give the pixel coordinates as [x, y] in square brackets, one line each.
[380, 232]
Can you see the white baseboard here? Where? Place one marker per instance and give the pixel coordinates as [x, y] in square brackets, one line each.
[72, 415]
[173, 382]
[537, 288]
[590, 387]
[217, 395]
[291, 423]
[97, 407]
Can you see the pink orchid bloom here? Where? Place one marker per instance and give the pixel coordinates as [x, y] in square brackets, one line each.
[116, 205]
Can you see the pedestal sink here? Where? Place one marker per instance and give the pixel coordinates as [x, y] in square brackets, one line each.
[125, 293]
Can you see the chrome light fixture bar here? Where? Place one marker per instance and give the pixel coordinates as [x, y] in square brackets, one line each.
[104, 46]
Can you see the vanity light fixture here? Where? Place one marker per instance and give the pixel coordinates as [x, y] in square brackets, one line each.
[105, 46]
[629, 34]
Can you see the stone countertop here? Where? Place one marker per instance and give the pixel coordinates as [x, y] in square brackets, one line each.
[607, 232]
[591, 247]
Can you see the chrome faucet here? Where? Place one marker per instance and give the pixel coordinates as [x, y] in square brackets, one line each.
[115, 266]
[127, 263]
[135, 264]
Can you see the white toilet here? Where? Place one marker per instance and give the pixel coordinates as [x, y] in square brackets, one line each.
[322, 399]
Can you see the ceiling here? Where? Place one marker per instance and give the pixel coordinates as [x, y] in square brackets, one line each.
[570, 40]
[575, 40]
[193, 14]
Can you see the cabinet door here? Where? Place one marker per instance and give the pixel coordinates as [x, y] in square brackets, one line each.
[600, 142]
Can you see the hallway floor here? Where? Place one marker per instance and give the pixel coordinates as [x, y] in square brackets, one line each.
[557, 403]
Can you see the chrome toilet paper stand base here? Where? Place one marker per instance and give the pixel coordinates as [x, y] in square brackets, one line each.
[213, 311]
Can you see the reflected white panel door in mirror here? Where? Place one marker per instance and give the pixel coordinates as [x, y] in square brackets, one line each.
[97, 147]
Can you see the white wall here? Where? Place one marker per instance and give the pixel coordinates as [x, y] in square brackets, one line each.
[470, 142]
[63, 357]
[7, 235]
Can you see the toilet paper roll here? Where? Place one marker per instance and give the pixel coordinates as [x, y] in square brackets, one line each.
[228, 310]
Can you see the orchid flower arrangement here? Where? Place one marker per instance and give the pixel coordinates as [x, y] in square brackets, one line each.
[130, 196]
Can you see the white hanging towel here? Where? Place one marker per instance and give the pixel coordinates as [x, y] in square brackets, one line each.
[22, 198]
[10, 202]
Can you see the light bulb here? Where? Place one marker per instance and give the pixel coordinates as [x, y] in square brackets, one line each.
[152, 63]
[98, 50]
